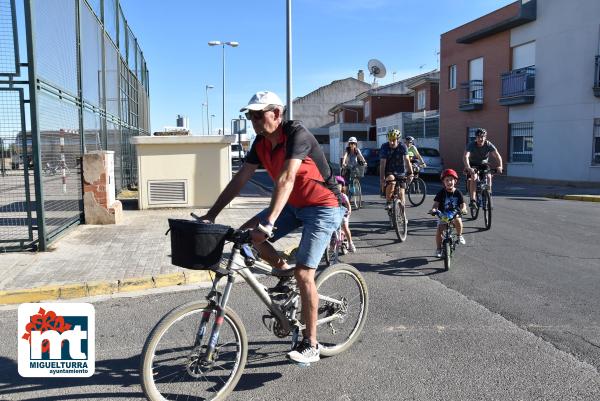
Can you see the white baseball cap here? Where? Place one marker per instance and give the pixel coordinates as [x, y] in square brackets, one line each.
[261, 100]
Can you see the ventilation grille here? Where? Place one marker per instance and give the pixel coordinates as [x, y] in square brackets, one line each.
[163, 192]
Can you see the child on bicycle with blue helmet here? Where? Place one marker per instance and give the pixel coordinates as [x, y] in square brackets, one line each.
[449, 199]
[346, 220]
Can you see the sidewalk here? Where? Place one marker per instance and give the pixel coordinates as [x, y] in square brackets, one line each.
[132, 256]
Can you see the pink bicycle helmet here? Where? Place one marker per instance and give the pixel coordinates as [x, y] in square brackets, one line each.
[340, 179]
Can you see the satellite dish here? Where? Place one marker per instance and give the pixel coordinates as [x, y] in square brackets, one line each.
[376, 68]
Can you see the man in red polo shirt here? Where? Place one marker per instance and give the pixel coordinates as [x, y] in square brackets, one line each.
[305, 194]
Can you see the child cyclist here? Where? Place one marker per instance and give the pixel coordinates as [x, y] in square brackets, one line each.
[346, 220]
[447, 200]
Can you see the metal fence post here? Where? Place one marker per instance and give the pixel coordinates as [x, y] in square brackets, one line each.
[35, 130]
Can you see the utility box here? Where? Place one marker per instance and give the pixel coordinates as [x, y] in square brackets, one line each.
[99, 203]
[182, 171]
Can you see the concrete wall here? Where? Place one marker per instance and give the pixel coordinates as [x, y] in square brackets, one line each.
[202, 162]
[566, 35]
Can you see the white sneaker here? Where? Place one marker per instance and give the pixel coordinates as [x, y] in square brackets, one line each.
[352, 248]
[305, 353]
[438, 253]
[461, 240]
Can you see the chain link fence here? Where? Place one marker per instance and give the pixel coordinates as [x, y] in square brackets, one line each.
[82, 86]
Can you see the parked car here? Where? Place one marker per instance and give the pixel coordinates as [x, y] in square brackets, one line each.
[433, 160]
[236, 149]
[371, 155]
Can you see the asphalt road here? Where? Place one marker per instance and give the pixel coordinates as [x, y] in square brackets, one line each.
[516, 318]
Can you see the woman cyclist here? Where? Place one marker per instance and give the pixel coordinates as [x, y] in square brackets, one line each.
[352, 158]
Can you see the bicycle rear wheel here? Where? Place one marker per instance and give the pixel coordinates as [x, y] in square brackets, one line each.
[447, 255]
[399, 220]
[487, 208]
[343, 308]
[357, 194]
[417, 191]
[174, 363]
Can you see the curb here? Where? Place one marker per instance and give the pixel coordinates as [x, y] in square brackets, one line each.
[581, 198]
[94, 288]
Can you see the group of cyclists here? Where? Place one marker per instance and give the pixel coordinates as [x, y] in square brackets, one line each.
[308, 194]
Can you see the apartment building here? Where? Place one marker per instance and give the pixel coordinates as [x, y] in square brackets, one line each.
[528, 73]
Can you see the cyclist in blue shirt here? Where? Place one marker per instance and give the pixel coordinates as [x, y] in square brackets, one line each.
[394, 163]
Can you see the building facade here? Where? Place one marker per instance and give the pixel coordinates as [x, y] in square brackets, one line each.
[529, 74]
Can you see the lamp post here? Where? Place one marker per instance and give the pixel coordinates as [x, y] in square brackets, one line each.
[211, 123]
[220, 43]
[202, 117]
[207, 120]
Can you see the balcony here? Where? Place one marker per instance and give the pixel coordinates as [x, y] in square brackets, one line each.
[471, 95]
[517, 87]
[597, 78]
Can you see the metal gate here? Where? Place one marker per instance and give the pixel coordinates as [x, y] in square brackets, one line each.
[82, 86]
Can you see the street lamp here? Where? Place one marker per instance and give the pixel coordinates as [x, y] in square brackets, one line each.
[207, 88]
[202, 117]
[220, 43]
[211, 123]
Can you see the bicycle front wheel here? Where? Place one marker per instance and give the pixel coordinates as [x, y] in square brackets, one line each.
[474, 209]
[357, 194]
[399, 220]
[417, 191]
[174, 363]
[343, 307]
[487, 209]
[447, 255]
[332, 251]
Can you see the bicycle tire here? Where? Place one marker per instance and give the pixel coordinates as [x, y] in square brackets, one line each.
[447, 255]
[475, 210]
[487, 209]
[332, 250]
[417, 191]
[357, 196]
[399, 220]
[190, 385]
[332, 336]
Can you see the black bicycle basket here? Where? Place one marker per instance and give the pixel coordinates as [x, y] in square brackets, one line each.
[196, 245]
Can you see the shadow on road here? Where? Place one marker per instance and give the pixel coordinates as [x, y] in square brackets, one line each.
[404, 267]
[124, 373]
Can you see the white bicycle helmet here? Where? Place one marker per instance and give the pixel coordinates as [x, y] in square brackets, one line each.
[352, 140]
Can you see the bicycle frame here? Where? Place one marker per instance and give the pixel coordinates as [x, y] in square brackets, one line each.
[237, 264]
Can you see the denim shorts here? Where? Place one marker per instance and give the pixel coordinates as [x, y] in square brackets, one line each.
[318, 224]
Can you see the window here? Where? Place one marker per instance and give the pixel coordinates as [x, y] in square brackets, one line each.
[421, 99]
[367, 109]
[471, 134]
[596, 147]
[521, 142]
[452, 77]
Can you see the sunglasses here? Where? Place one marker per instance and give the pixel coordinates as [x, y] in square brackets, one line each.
[256, 114]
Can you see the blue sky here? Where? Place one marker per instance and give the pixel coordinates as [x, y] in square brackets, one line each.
[332, 39]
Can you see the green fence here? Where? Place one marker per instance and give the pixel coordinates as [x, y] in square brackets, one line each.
[73, 79]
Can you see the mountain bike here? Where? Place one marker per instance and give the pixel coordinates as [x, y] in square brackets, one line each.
[417, 188]
[199, 349]
[449, 237]
[338, 245]
[354, 188]
[483, 196]
[397, 211]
